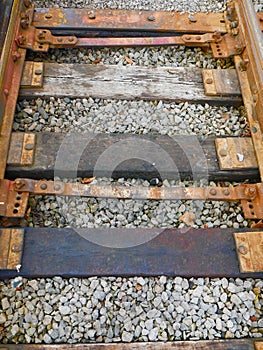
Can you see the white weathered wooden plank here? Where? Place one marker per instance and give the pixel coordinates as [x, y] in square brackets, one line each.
[125, 82]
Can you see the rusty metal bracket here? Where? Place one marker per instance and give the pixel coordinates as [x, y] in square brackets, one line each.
[228, 46]
[250, 195]
[33, 74]
[249, 247]
[13, 203]
[41, 40]
[11, 248]
[235, 153]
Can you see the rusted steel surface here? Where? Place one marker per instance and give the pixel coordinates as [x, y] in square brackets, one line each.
[11, 247]
[242, 192]
[235, 153]
[129, 252]
[220, 82]
[161, 21]
[33, 74]
[11, 67]
[249, 246]
[250, 195]
[21, 150]
[250, 71]
[12, 203]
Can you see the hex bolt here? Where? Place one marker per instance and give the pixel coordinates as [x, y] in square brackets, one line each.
[29, 146]
[213, 192]
[151, 18]
[226, 192]
[70, 39]
[43, 186]
[198, 37]
[60, 40]
[19, 184]
[242, 249]
[41, 35]
[209, 81]
[187, 37]
[250, 191]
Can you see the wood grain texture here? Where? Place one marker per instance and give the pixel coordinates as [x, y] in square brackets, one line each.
[89, 252]
[126, 82]
[127, 155]
[241, 344]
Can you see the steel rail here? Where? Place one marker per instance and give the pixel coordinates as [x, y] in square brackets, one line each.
[11, 69]
[249, 68]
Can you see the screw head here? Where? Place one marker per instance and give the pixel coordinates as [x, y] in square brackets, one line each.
[213, 192]
[226, 192]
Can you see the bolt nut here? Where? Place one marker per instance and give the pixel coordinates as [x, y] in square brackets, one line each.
[57, 187]
[6, 92]
[43, 186]
[19, 184]
[213, 192]
[226, 192]
[70, 39]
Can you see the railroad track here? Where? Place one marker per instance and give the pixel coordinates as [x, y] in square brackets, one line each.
[28, 158]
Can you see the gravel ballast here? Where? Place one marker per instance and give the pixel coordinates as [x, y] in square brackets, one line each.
[109, 309]
[130, 309]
